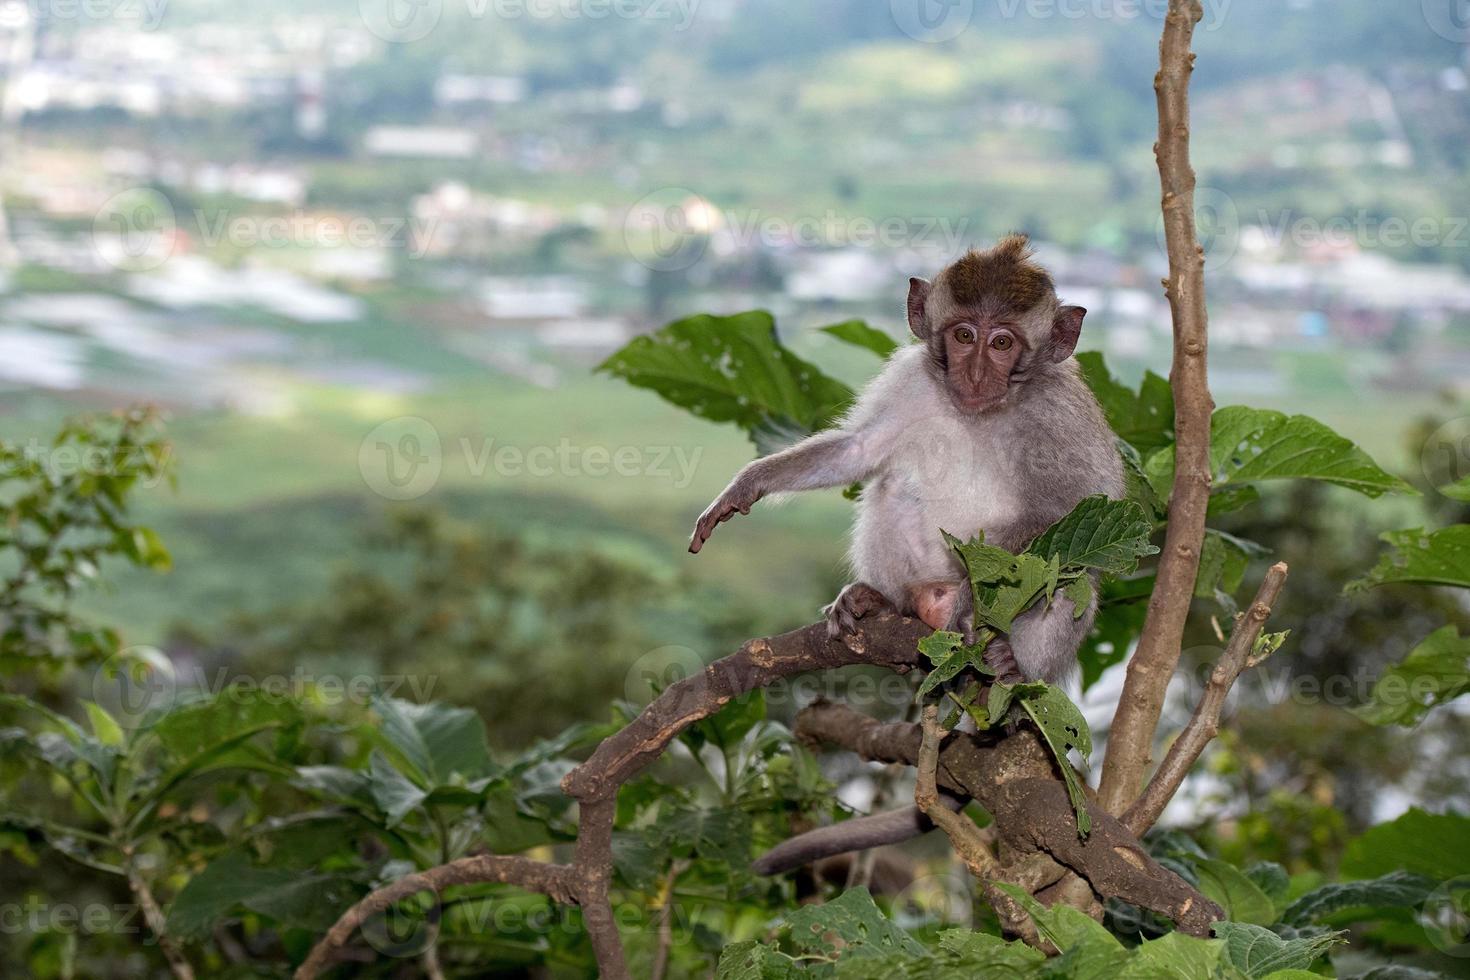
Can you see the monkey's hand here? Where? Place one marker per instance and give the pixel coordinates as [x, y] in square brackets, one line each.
[738, 497]
[852, 603]
[1002, 657]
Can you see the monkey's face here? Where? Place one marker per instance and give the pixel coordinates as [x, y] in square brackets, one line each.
[980, 352]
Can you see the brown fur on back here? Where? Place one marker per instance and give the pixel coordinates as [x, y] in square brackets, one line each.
[1004, 274]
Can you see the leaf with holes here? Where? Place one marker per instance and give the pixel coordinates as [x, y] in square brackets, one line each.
[1429, 558]
[1062, 728]
[852, 925]
[1248, 445]
[1435, 672]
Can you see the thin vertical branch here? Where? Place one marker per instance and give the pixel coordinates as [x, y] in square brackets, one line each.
[1204, 724]
[1153, 663]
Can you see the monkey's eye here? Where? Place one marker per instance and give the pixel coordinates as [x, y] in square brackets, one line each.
[964, 335]
[1002, 342]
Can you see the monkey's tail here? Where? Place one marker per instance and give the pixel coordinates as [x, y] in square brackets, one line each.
[858, 834]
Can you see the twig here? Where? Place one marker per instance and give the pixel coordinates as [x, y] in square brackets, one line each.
[968, 842]
[1204, 724]
[1159, 646]
[972, 846]
[178, 964]
[665, 926]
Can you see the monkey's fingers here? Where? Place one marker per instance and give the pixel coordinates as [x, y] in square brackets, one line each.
[705, 526]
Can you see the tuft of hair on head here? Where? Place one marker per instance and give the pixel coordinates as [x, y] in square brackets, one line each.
[1003, 273]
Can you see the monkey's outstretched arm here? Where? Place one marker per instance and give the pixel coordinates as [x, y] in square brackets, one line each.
[828, 459]
[859, 834]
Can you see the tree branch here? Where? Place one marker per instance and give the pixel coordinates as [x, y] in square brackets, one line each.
[538, 876]
[1014, 778]
[1204, 724]
[1159, 646]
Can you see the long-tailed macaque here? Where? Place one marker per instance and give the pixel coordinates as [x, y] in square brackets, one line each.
[984, 425]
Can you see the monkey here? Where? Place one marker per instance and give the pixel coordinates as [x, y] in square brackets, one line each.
[984, 425]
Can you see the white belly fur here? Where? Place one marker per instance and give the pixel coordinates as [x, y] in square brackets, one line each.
[955, 481]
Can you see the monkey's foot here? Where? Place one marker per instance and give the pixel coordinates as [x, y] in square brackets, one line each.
[1000, 656]
[852, 603]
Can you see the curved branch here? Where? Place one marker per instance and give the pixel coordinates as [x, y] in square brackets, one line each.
[554, 880]
[1015, 780]
[1159, 646]
[886, 640]
[1204, 724]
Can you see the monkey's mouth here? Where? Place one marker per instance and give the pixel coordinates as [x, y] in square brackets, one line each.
[978, 403]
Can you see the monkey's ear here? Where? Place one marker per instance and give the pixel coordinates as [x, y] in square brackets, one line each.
[1065, 330]
[919, 290]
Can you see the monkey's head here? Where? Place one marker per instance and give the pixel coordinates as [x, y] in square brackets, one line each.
[992, 322]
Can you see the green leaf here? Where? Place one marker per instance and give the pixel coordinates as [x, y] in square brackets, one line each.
[311, 901]
[1252, 444]
[1223, 561]
[1434, 672]
[1121, 609]
[1459, 490]
[752, 961]
[850, 924]
[107, 730]
[1063, 728]
[337, 783]
[1228, 500]
[1240, 897]
[860, 334]
[1431, 844]
[1108, 535]
[203, 733]
[1432, 558]
[981, 949]
[1397, 889]
[1177, 957]
[732, 369]
[1004, 585]
[950, 656]
[1272, 879]
[395, 794]
[1258, 952]
[1144, 419]
[1061, 925]
[729, 725]
[437, 740]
